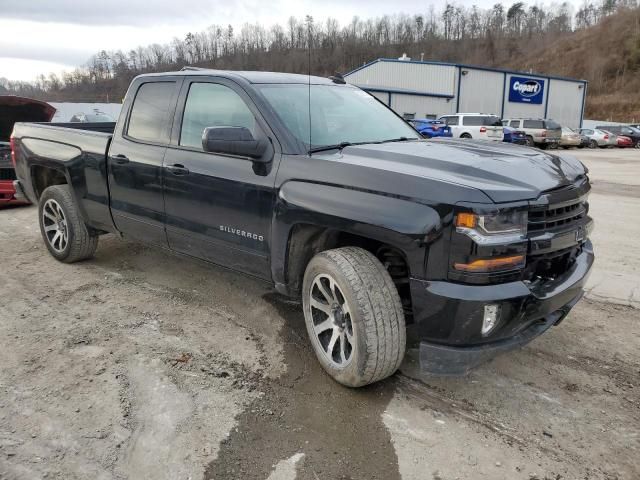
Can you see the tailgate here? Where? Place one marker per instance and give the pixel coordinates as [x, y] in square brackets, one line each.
[495, 132]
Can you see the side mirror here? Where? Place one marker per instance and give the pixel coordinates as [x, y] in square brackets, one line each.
[233, 141]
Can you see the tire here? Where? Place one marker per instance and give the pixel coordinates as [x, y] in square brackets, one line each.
[357, 327]
[64, 233]
[593, 144]
[530, 142]
[465, 135]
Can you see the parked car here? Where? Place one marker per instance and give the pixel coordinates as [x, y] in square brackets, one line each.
[96, 117]
[431, 128]
[569, 138]
[599, 138]
[475, 125]
[384, 236]
[511, 135]
[624, 142]
[16, 109]
[584, 140]
[631, 132]
[542, 133]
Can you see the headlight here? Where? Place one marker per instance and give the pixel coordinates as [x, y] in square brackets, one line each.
[506, 226]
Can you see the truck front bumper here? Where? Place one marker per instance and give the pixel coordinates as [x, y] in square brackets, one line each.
[448, 317]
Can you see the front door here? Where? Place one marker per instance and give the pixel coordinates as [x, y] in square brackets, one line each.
[219, 207]
[135, 161]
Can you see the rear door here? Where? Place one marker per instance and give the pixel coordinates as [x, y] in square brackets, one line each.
[136, 154]
[219, 207]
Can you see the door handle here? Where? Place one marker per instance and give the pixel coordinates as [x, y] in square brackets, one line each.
[178, 169]
[120, 159]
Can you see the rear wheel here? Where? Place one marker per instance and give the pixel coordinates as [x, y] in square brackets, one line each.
[593, 144]
[465, 135]
[354, 316]
[65, 234]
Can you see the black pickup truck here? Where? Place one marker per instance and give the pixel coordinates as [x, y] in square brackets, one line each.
[457, 248]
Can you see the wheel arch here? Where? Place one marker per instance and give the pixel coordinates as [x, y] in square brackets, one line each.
[311, 218]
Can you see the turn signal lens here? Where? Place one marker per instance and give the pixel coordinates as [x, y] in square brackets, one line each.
[491, 265]
[467, 220]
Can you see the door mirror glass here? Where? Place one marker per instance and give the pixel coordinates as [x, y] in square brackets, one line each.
[233, 141]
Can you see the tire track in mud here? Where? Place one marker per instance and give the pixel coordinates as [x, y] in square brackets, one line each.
[340, 431]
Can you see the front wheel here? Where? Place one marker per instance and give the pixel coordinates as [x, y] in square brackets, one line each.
[65, 234]
[529, 141]
[465, 135]
[354, 316]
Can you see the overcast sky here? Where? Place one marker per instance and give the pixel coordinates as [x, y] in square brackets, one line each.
[42, 36]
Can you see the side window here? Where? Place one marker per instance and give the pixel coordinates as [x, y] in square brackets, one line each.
[515, 123]
[472, 121]
[150, 111]
[408, 116]
[451, 120]
[211, 105]
[533, 124]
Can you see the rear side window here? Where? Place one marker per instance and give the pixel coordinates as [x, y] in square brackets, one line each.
[213, 105]
[533, 124]
[481, 121]
[150, 111]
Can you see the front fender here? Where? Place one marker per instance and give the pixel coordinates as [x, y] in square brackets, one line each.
[403, 224]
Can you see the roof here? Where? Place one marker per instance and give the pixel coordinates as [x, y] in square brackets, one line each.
[249, 76]
[471, 67]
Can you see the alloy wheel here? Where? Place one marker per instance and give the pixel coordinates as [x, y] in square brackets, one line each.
[55, 225]
[332, 321]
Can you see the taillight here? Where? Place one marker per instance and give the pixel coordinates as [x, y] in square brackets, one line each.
[606, 137]
[12, 144]
[483, 129]
[544, 133]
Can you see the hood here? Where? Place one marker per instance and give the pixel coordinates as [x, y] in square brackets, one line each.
[21, 109]
[502, 171]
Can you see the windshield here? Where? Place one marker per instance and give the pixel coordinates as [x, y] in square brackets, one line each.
[339, 114]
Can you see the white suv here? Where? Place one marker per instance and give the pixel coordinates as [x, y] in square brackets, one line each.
[475, 125]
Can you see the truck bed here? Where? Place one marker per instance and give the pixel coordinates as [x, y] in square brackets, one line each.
[77, 149]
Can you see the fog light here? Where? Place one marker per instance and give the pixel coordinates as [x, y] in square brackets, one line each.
[491, 317]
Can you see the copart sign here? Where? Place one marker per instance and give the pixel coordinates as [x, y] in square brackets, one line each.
[526, 90]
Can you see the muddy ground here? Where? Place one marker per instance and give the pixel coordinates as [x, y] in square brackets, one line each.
[140, 364]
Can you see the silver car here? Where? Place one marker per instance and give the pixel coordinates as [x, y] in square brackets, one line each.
[599, 138]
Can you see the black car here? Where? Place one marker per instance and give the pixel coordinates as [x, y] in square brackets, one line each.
[460, 249]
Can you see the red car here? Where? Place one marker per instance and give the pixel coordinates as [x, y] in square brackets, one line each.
[16, 109]
[624, 142]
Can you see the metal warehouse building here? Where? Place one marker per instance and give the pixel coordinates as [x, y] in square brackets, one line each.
[424, 89]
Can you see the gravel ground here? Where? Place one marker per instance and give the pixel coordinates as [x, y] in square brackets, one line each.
[140, 364]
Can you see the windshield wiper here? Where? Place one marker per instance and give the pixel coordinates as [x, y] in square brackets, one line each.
[341, 145]
[337, 146]
[399, 139]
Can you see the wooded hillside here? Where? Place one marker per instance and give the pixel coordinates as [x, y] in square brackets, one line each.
[600, 43]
